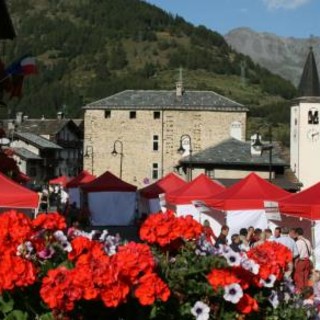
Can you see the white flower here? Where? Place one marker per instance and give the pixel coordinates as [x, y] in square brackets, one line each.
[103, 235]
[60, 236]
[250, 265]
[233, 293]
[201, 311]
[269, 282]
[274, 299]
[25, 249]
[66, 246]
[233, 258]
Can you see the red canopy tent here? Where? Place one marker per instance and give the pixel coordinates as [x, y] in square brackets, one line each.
[111, 201]
[13, 195]
[303, 209]
[108, 182]
[200, 188]
[82, 178]
[305, 204]
[249, 193]
[63, 180]
[250, 202]
[167, 184]
[74, 186]
[149, 196]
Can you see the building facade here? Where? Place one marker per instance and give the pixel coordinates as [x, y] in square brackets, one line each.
[136, 134]
[305, 127]
[46, 148]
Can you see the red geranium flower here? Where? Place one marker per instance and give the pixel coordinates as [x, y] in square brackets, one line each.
[247, 304]
[272, 257]
[133, 260]
[164, 228]
[218, 278]
[58, 290]
[50, 221]
[151, 288]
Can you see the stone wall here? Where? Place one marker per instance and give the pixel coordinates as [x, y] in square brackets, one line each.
[205, 128]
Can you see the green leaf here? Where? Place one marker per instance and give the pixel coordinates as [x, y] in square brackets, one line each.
[6, 304]
[17, 315]
[47, 316]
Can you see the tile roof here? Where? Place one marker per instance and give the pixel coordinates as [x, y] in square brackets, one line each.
[281, 182]
[167, 99]
[234, 152]
[36, 140]
[26, 154]
[43, 127]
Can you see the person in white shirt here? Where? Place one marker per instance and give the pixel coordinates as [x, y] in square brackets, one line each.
[291, 245]
[303, 264]
[64, 198]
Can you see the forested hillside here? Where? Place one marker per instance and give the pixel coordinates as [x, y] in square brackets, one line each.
[89, 49]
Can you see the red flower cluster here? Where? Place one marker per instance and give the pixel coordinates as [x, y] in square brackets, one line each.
[52, 221]
[247, 304]
[164, 228]
[272, 257]
[150, 288]
[98, 276]
[218, 278]
[14, 270]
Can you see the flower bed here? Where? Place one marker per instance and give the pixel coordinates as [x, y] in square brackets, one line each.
[174, 274]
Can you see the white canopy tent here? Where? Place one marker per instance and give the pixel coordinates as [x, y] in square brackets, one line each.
[110, 201]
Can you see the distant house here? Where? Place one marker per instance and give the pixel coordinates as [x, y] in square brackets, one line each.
[232, 160]
[46, 148]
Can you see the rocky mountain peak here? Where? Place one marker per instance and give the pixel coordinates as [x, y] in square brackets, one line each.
[281, 55]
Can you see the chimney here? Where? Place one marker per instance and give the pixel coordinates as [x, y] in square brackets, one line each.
[179, 89]
[42, 117]
[60, 115]
[179, 85]
[19, 118]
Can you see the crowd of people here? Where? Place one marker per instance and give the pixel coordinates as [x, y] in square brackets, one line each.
[305, 277]
[56, 198]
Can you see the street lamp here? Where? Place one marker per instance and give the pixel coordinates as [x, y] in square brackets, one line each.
[88, 154]
[259, 146]
[182, 149]
[115, 153]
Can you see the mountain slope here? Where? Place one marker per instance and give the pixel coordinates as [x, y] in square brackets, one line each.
[283, 56]
[89, 49]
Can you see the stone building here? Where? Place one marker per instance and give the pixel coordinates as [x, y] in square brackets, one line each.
[136, 133]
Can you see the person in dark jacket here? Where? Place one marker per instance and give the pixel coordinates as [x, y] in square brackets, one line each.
[222, 238]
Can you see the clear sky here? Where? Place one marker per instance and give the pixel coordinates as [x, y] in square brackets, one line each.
[287, 18]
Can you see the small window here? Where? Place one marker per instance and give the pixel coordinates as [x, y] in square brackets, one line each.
[107, 114]
[155, 171]
[155, 143]
[133, 114]
[156, 115]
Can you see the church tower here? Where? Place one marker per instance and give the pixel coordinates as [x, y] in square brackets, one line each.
[305, 127]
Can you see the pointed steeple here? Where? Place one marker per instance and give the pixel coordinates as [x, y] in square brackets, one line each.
[309, 84]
